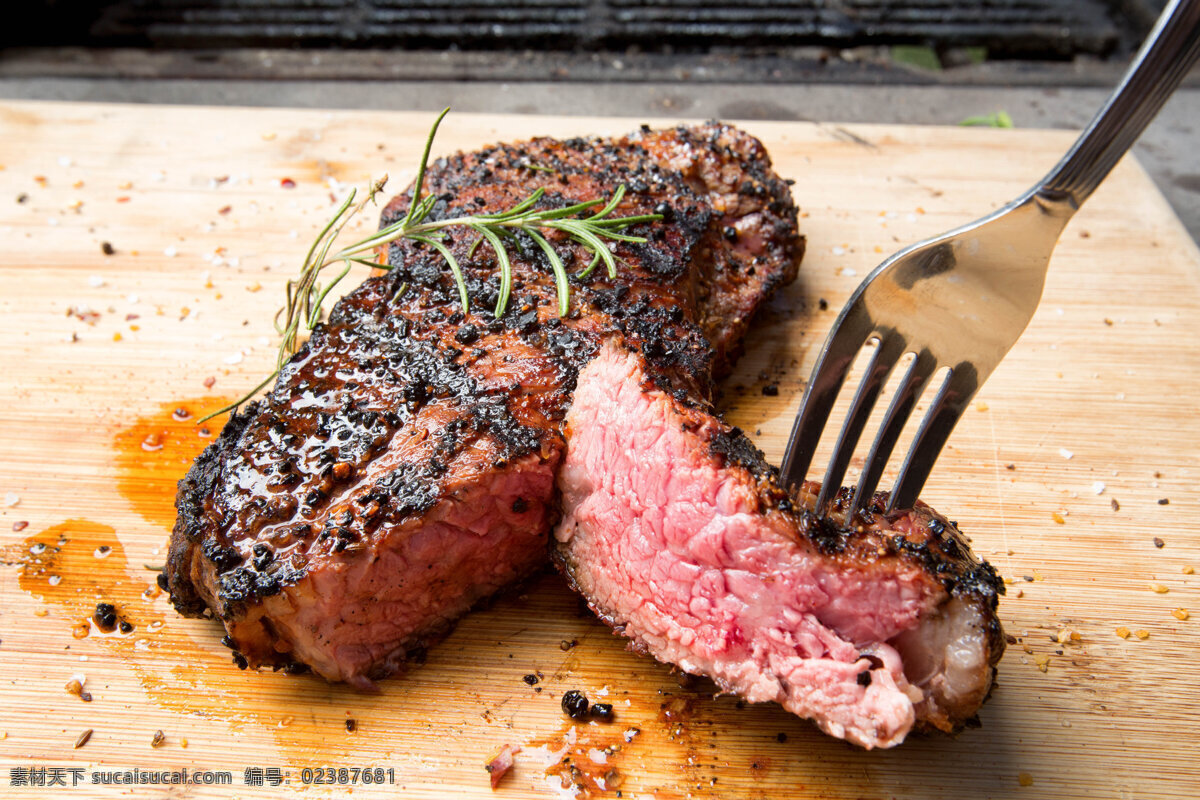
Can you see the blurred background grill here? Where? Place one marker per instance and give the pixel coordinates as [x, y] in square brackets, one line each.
[1043, 63]
[1040, 29]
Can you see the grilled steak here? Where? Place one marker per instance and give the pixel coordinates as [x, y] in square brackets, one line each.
[677, 532]
[403, 466]
[411, 460]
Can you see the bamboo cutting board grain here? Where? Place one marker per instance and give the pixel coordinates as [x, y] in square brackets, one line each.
[1081, 450]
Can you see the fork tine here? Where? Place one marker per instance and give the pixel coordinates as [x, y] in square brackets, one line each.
[957, 390]
[907, 394]
[888, 352]
[851, 330]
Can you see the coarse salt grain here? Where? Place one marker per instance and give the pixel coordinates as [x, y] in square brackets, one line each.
[236, 358]
[96, 281]
[12, 499]
[1098, 487]
[838, 251]
[64, 161]
[132, 299]
[1065, 453]
[170, 252]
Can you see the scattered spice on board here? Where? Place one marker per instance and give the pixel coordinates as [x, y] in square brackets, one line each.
[602, 712]
[575, 704]
[75, 687]
[1159, 543]
[1025, 779]
[1164, 501]
[1158, 588]
[1180, 614]
[159, 739]
[1142, 634]
[351, 725]
[1189, 570]
[1123, 632]
[83, 738]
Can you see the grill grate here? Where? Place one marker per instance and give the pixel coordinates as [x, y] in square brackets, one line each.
[1012, 28]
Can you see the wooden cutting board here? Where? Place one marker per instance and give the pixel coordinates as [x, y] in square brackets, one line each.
[1080, 451]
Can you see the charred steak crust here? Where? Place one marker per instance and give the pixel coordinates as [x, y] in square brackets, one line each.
[935, 543]
[402, 467]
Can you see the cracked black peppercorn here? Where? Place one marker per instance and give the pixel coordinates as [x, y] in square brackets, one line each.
[575, 704]
[603, 712]
[105, 617]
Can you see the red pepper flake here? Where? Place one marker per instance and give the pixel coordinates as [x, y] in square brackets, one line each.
[1159, 543]
[209, 381]
[123, 199]
[225, 210]
[84, 315]
[288, 183]
[501, 763]
[132, 317]
[20, 525]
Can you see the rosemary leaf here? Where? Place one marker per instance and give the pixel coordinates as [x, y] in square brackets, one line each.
[420, 181]
[560, 273]
[505, 266]
[454, 268]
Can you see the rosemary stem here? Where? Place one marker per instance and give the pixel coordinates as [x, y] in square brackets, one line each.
[306, 297]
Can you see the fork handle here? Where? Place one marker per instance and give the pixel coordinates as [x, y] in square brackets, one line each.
[1162, 62]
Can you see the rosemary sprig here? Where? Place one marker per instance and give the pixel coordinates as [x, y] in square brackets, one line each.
[305, 296]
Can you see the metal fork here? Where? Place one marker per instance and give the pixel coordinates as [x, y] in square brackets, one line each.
[962, 299]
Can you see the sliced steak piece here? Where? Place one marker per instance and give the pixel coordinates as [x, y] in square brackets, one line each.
[402, 467]
[677, 533]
